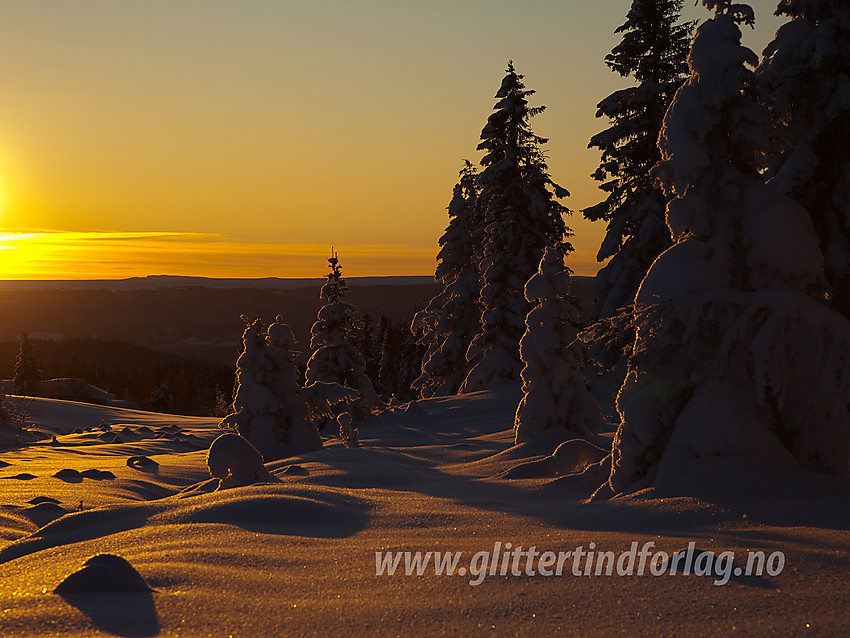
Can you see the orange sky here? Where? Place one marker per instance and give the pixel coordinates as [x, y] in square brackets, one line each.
[223, 139]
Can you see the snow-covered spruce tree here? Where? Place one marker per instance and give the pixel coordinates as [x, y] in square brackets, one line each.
[27, 378]
[452, 318]
[806, 74]
[733, 356]
[269, 410]
[554, 388]
[654, 52]
[335, 359]
[518, 204]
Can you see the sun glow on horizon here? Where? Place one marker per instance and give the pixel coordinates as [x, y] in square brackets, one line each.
[46, 255]
[119, 255]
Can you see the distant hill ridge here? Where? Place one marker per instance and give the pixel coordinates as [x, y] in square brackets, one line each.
[159, 282]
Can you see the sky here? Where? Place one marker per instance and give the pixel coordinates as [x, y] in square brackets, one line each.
[245, 139]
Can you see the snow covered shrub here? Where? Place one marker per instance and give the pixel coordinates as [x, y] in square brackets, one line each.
[554, 388]
[774, 371]
[347, 432]
[734, 354]
[269, 410]
[235, 462]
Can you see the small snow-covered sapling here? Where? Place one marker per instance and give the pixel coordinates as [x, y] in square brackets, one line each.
[346, 431]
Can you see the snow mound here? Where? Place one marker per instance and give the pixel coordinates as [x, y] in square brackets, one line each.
[235, 462]
[569, 457]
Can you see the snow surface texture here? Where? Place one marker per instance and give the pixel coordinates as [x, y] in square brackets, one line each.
[235, 462]
[554, 388]
[726, 317]
[298, 554]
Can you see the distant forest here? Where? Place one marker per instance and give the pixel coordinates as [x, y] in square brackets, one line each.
[130, 372]
[201, 387]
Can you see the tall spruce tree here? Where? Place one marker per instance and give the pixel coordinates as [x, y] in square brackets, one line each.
[518, 205]
[452, 318]
[654, 52]
[806, 75]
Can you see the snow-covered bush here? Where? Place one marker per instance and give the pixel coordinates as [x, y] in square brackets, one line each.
[269, 410]
[554, 388]
[347, 431]
[730, 315]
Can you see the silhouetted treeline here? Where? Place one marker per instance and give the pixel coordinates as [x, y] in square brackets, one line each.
[131, 372]
[393, 358]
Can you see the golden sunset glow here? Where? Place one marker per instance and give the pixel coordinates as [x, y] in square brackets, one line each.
[71, 255]
[272, 125]
[295, 289]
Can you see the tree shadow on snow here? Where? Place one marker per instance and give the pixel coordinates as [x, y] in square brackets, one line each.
[410, 461]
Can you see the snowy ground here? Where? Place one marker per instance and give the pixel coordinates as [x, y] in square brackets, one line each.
[297, 556]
